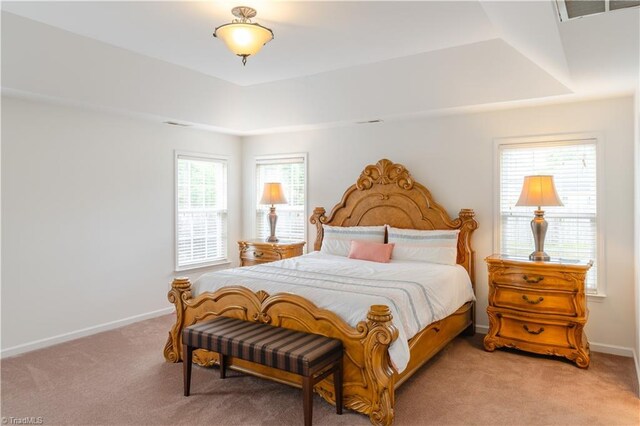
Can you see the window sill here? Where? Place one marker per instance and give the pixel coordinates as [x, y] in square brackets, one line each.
[224, 262]
[596, 297]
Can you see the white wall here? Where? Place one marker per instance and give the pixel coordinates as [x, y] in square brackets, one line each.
[87, 218]
[454, 157]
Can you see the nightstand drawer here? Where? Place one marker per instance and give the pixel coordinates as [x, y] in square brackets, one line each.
[535, 332]
[534, 279]
[251, 262]
[254, 252]
[259, 255]
[536, 301]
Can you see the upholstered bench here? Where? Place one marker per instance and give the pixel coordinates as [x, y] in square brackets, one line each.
[312, 356]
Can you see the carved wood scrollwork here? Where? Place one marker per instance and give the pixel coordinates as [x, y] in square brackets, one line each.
[262, 318]
[180, 291]
[384, 172]
[369, 377]
[468, 224]
[386, 194]
[376, 345]
[318, 218]
[262, 295]
[490, 341]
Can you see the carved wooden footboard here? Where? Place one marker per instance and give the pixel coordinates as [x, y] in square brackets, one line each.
[368, 375]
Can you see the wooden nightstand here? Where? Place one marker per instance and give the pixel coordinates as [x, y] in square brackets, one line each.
[253, 252]
[538, 307]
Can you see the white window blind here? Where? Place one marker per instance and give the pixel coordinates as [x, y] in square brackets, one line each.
[291, 171]
[201, 211]
[572, 232]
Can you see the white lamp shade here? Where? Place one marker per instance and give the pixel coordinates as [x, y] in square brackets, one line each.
[539, 191]
[273, 194]
[244, 39]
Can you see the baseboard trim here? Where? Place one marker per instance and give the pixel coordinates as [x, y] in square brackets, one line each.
[637, 362]
[482, 329]
[611, 349]
[50, 341]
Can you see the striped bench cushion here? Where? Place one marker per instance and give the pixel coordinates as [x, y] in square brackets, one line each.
[277, 347]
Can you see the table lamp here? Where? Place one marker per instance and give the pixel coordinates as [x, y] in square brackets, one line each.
[273, 194]
[539, 191]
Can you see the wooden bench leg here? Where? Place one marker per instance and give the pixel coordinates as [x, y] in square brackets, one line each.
[307, 399]
[337, 384]
[222, 360]
[187, 359]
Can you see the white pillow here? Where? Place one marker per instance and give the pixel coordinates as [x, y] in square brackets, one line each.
[337, 239]
[425, 246]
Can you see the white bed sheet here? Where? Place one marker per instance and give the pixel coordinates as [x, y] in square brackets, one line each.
[417, 293]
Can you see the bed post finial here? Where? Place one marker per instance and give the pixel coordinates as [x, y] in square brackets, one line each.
[180, 290]
[467, 214]
[381, 334]
[181, 283]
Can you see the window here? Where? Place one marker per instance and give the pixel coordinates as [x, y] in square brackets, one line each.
[201, 211]
[291, 171]
[572, 232]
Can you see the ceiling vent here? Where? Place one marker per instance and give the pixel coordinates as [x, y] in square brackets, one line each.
[572, 9]
[175, 123]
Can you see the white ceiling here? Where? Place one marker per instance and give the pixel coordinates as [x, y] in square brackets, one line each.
[310, 37]
[330, 62]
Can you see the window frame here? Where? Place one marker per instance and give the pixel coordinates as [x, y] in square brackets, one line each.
[254, 194]
[556, 140]
[197, 156]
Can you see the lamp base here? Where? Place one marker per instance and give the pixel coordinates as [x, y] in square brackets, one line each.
[273, 219]
[539, 229]
[539, 256]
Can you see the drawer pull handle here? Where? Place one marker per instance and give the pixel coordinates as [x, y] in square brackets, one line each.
[531, 331]
[258, 253]
[534, 280]
[533, 302]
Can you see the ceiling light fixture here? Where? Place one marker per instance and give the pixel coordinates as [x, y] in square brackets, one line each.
[243, 37]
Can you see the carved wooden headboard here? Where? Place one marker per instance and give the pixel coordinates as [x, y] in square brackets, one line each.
[385, 193]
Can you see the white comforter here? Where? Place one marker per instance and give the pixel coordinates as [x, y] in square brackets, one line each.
[417, 293]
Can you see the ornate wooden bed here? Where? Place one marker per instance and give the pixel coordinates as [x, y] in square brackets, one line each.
[385, 193]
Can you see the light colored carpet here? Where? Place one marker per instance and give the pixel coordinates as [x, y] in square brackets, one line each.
[120, 377]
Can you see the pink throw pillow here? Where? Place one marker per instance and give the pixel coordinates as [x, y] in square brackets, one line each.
[367, 250]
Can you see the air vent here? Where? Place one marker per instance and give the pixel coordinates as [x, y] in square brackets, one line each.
[175, 123]
[370, 121]
[572, 9]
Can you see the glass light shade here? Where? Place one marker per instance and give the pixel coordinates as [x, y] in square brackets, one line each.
[273, 194]
[244, 39]
[539, 191]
